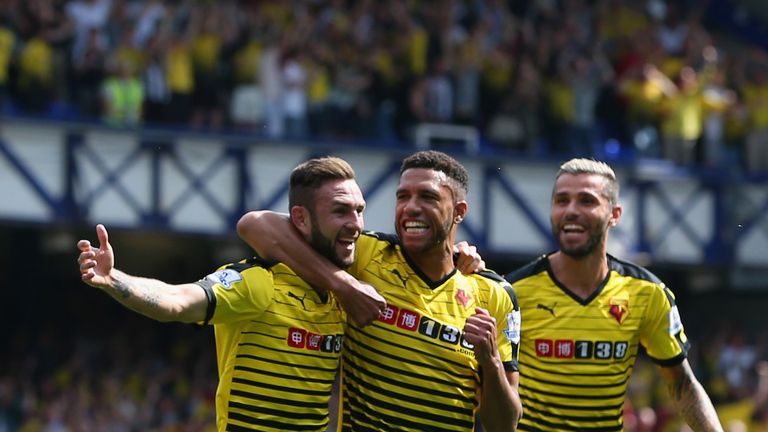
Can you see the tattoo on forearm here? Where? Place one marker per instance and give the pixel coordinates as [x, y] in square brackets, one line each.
[122, 289]
[141, 289]
[694, 404]
[151, 298]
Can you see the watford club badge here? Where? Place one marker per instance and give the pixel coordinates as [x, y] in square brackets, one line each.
[463, 297]
[619, 309]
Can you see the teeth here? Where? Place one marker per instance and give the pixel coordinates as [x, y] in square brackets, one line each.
[415, 224]
[416, 227]
[572, 227]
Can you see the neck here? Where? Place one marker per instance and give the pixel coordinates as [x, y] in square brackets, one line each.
[436, 264]
[582, 276]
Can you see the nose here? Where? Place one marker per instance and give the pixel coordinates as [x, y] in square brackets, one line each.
[411, 206]
[570, 210]
[356, 221]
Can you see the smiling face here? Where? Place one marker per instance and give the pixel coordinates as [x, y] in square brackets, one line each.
[335, 223]
[581, 214]
[425, 211]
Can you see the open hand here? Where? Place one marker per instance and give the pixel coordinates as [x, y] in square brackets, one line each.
[96, 263]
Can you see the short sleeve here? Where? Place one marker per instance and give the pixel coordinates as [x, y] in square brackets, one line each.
[662, 334]
[238, 294]
[503, 306]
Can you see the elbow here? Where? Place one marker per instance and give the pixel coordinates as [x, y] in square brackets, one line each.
[247, 224]
[249, 228]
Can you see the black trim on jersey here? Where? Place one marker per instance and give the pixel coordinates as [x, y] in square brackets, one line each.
[506, 285]
[254, 261]
[674, 361]
[628, 268]
[392, 239]
[571, 294]
[514, 365]
[534, 267]
[207, 286]
[423, 276]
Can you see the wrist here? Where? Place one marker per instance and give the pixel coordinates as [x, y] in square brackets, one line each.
[341, 282]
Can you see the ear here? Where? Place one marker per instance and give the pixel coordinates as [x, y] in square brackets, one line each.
[301, 220]
[615, 215]
[460, 211]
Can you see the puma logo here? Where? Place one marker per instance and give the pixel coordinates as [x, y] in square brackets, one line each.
[547, 308]
[300, 299]
[402, 278]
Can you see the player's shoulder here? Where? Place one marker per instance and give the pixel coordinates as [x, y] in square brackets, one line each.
[375, 236]
[253, 262]
[496, 282]
[632, 270]
[490, 276]
[534, 267]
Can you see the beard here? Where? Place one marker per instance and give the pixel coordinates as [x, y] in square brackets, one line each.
[325, 246]
[595, 238]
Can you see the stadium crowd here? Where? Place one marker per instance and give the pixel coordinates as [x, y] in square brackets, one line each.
[602, 77]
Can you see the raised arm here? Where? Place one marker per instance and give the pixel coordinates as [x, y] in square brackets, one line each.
[500, 405]
[150, 297]
[273, 236]
[690, 399]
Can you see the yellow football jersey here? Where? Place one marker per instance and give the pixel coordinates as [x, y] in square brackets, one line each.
[576, 355]
[277, 344]
[412, 369]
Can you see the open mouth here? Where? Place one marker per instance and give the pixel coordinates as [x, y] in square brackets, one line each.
[415, 227]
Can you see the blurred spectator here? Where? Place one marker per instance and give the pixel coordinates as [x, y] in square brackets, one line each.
[295, 105]
[7, 45]
[35, 79]
[432, 95]
[86, 17]
[156, 93]
[515, 125]
[209, 38]
[755, 93]
[88, 74]
[271, 84]
[736, 363]
[720, 98]
[586, 74]
[180, 78]
[148, 21]
[122, 95]
[643, 87]
[682, 118]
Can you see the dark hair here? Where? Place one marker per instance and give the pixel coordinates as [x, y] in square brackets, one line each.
[439, 161]
[312, 174]
[590, 166]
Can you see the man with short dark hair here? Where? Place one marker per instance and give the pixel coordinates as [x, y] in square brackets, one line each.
[445, 347]
[278, 340]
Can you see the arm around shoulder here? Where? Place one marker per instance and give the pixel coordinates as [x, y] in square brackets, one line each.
[262, 230]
